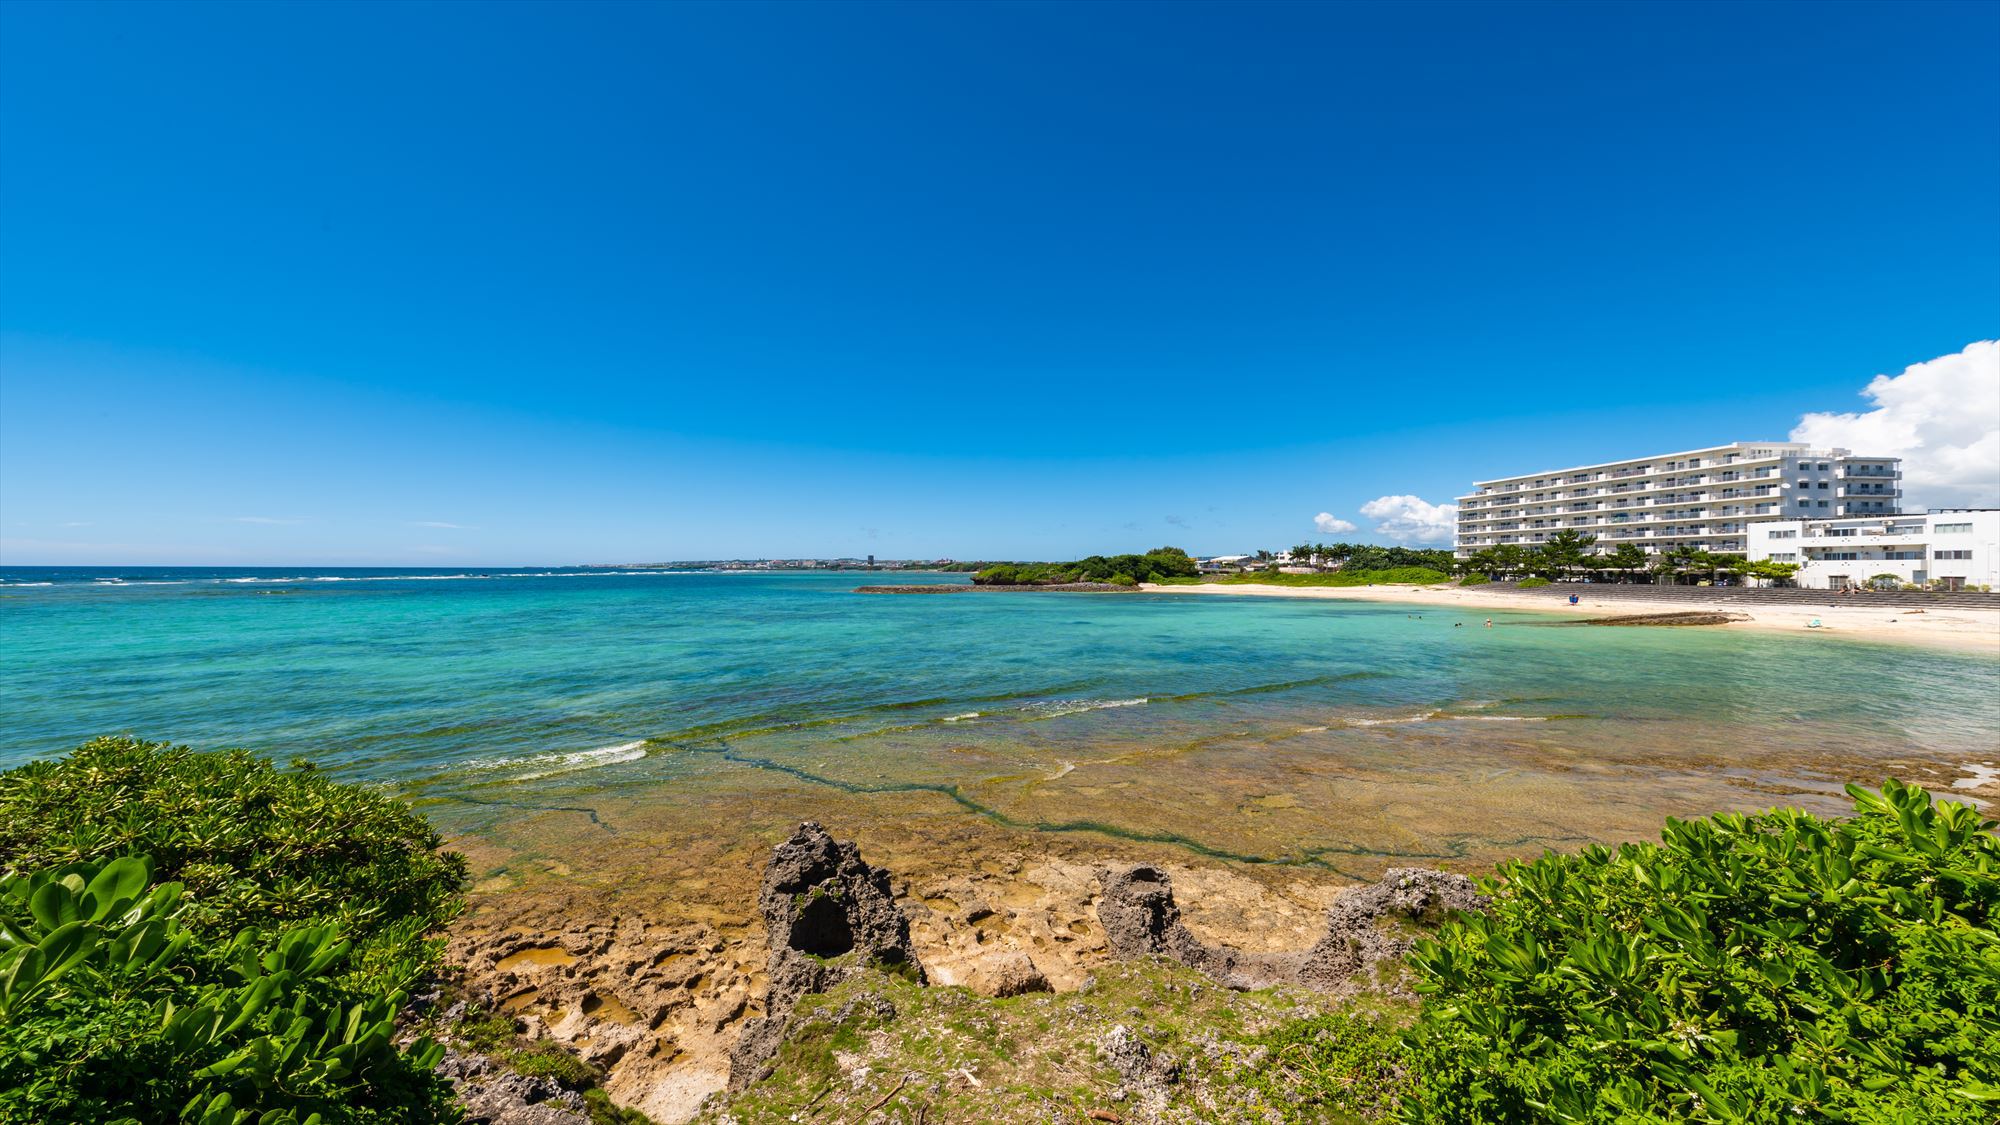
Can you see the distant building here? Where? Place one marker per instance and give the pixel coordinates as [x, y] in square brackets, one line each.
[1948, 548]
[1707, 499]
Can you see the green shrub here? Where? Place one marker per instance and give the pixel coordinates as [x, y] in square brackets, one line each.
[1531, 583]
[1766, 968]
[1474, 580]
[1154, 565]
[254, 844]
[205, 937]
[113, 1010]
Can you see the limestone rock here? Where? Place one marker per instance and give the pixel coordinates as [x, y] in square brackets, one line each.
[1366, 928]
[1006, 973]
[1375, 925]
[495, 1096]
[827, 913]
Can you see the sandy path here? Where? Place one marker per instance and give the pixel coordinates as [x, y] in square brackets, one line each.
[1974, 630]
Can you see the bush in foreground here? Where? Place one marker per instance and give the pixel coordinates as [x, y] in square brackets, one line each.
[203, 936]
[1766, 968]
[1531, 583]
[113, 1010]
[254, 844]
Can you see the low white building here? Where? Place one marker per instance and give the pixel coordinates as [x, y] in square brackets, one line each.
[1945, 548]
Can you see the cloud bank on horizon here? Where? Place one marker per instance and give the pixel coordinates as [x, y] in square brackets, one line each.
[1941, 416]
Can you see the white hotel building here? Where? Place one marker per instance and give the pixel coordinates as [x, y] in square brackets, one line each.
[1951, 548]
[1707, 499]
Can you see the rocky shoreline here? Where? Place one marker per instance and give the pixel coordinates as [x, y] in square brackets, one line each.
[683, 1019]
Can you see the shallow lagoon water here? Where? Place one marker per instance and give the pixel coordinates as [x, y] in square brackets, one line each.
[600, 722]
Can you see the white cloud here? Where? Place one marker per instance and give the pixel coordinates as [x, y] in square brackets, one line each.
[261, 519]
[1330, 526]
[1941, 416]
[442, 524]
[1411, 519]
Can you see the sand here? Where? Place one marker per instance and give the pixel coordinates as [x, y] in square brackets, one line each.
[1974, 630]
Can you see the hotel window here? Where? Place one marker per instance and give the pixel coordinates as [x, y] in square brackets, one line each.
[1953, 529]
[1951, 554]
[1784, 535]
[1822, 484]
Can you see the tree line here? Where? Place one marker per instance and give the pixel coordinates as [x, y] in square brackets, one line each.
[1565, 554]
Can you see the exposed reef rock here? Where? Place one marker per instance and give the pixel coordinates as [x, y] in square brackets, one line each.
[656, 1005]
[1676, 617]
[827, 913]
[496, 1096]
[1368, 929]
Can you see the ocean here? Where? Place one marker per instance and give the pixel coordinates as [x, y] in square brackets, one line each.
[540, 711]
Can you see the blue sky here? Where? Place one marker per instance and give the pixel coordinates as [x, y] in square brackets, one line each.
[460, 284]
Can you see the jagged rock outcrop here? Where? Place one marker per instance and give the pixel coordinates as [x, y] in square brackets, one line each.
[493, 1095]
[1375, 925]
[827, 913]
[1367, 927]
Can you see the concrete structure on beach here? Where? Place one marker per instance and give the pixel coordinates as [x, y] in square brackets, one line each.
[1708, 499]
[1947, 548]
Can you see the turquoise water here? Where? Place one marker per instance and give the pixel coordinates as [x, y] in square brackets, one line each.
[1157, 714]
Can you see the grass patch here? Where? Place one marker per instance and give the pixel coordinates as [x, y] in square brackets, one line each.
[1474, 580]
[1530, 583]
[1337, 1068]
[1041, 1057]
[543, 1059]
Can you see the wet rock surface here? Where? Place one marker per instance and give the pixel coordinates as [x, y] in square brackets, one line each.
[1368, 929]
[827, 913]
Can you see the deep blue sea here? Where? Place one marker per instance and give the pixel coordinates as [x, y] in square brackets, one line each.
[1251, 725]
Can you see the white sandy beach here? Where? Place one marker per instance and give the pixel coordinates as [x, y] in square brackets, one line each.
[1975, 630]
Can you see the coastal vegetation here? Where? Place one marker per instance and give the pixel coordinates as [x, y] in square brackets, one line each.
[1571, 554]
[1769, 967]
[1395, 576]
[1118, 570]
[204, 937]
[1369, 556]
